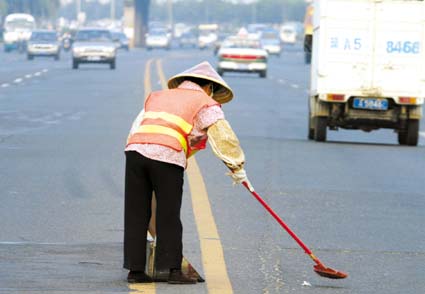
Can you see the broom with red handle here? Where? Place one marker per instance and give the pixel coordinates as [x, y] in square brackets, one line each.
[319, 268]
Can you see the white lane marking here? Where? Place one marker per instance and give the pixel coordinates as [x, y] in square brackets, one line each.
[30, 243]
[295, 86]
[29, 76]
[5, 85]
[37, 74]
[18, 80]
[45, 70]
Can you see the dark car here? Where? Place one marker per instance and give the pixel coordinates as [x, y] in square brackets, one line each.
[188, 39]
[121, 40]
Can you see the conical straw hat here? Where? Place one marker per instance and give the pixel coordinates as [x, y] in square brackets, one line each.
[222, 92]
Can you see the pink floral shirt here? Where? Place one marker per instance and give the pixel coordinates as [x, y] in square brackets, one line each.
[205, 118]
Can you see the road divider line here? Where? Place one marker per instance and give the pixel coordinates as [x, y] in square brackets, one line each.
[5, 85]
[29, 76]
[37, 74]
[213, 262]
[147, 79]
[161, 75]
[142, 288]
[18, 80]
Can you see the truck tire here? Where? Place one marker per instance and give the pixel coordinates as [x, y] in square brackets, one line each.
[412, 135]
[320, 126]
[310, 128]
[402, 138]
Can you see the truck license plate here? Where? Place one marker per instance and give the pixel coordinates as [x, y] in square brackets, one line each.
[370, 103]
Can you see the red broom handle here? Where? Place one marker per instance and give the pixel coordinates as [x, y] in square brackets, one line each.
[282, 223]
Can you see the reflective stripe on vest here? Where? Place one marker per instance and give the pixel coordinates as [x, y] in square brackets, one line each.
[177, 120]
[155, 129]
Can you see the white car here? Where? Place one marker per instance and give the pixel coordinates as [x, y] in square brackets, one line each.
[93, 46]
[158, 39]
[240, 54]
[43, 43]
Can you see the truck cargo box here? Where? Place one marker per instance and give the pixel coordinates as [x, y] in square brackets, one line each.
[370, 55]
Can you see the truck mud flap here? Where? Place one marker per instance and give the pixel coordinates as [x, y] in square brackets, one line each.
[321, 109]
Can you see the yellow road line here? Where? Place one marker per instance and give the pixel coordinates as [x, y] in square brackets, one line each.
[142, 288]
[147, 80]
[216, 276]
[161, 74]
[214, 265]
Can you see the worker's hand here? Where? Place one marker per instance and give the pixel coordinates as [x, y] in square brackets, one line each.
[238, 176]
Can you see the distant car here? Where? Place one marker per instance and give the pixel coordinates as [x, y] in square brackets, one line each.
[93, 46]
[188, 39]
[121, 40]
[158, 39]
[239, 54]
[270, 41]
[43, 43]
[288, 34]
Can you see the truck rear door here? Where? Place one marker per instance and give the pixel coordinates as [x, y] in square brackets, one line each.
[399, 48]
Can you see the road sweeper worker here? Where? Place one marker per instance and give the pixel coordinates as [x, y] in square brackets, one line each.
[174, 124]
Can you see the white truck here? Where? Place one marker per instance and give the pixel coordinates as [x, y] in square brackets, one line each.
[368, 67]
[17, 31]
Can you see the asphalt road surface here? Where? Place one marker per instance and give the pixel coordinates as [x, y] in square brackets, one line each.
[357, 200]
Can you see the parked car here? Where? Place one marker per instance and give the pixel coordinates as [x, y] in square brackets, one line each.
[239, 54]
[158, 38]
[43, 43]
[121, 40]
[93, 45]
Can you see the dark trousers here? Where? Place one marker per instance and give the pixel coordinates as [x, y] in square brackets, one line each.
[142, 177]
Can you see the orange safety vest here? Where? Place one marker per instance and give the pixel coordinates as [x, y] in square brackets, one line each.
[168, 119]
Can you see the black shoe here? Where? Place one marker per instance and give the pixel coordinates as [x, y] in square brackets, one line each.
[177, 277]
[138, 277]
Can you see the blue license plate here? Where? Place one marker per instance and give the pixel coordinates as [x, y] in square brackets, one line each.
[370, 103]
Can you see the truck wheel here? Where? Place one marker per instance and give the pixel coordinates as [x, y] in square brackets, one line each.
[263, 74]
[320, 125]
[310, 129]
[412, 134]
[402, 138]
